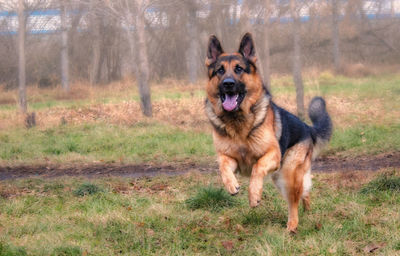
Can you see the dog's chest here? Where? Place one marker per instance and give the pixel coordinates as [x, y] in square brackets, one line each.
[245, 159]
[249, 153]
[246, 153]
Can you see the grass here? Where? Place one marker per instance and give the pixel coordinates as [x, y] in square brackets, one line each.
[101, 143]
[158, 143]
[365, 140]
[383, 183]
[7, 250]
[190, 214]
[136, 217]
[67, 251]
[103, 124]
[82, 95]
[210, 198]
[87, 189]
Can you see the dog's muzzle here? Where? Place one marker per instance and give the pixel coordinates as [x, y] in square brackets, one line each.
[231, 94]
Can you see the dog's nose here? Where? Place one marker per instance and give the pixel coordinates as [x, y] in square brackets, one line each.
[228, 83]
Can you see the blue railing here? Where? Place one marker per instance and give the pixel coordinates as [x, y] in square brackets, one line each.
[56, 13]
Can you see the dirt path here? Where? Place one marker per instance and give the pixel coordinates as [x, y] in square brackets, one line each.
[326, 164]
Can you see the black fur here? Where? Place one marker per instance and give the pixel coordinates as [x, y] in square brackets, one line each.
[246, 47]
[322, 124]
[214, 49]
[212, 67]
[294, 130]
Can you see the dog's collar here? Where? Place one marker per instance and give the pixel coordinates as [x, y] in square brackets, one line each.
[259, 109]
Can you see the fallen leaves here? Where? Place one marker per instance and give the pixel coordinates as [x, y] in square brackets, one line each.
[370, 248]
[150, 232]
[239, 228]
[159, 187]
[228, 245]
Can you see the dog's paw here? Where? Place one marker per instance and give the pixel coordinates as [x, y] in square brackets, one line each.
[232, 188]
[255, 194]
[237, 191]
[292, 227]
[254, 203]
[254, 198]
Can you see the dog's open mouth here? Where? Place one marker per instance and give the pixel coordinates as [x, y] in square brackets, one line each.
[231, 102]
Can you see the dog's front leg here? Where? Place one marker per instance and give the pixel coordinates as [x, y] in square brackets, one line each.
[227, 167]
[267, 163]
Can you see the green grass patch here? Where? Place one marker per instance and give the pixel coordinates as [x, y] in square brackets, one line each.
[67, 251]
[210, 198]
[8, 250]
[105, 143]
[156, 143]
[87, 189]
[365, 140]
[383, 183]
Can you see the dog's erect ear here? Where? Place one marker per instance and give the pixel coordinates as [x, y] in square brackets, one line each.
[247, 49]
[214, 50]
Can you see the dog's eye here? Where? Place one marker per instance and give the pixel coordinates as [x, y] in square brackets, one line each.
[221, 71]
[238, 69]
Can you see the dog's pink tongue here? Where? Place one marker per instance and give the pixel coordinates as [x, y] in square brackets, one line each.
[230, 102]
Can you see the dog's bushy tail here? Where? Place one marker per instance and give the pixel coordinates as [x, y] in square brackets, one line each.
[322, 124]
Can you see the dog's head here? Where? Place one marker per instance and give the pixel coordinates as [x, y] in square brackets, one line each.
[234, 83]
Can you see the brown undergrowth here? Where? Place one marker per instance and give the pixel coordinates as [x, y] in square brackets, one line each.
[188, 112]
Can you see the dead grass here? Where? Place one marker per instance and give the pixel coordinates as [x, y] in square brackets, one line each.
[188, 112]
[353, 180]
[357, 70]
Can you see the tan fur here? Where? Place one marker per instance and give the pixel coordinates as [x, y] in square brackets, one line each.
[278, 125]
[249, 143]
[296, 162]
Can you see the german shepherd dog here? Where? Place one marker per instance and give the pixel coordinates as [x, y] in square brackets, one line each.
[255, 137]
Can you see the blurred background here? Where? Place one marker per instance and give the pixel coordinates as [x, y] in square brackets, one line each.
[78, 62]
[103, 41]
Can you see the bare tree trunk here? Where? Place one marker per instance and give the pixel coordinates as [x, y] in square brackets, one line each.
[72, 31]
[64, 50]
[247, 27]
[245, 17]
[132, 47]
[94, 75]
[192, 58]
[216, 13]
[21, 57]
[266, 61]
[219, 26]
[235, 13]
[96, 55]
[335, 35]
[143, 79]
[297, 76]
[392, 12]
